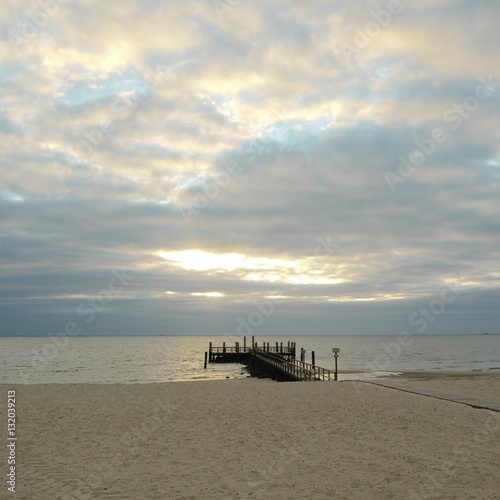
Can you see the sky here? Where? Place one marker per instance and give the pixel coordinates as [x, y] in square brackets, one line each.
[249, 167]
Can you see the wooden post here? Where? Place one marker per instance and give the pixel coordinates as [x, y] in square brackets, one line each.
[253, 342]
[244, 343]
[210, 355]
[224, 347]
[281, 347]
[335, 378]
[277, 347]
[206, 355]
[237, 347]
[313, 354]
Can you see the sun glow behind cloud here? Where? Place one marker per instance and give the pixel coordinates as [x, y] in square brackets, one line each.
[200, 260]
[208, 294]
[295, 272]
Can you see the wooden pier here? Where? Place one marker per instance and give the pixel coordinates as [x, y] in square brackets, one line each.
[276, 361]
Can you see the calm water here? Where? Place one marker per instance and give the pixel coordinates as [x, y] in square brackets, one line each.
[163, 359]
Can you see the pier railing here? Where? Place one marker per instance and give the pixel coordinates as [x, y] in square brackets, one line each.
[224, 350]
[294, 369]
[237, 349]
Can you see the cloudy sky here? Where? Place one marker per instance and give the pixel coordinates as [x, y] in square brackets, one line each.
[240, 166]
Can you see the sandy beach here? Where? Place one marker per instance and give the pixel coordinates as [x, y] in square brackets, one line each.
[476, 385]
[253, 438]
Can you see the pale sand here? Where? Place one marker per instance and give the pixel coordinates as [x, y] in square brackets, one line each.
[251, 438]
[477, 385]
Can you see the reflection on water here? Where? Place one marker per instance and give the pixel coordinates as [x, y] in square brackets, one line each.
[163, 359]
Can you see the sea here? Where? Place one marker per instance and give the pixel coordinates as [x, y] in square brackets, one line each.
[148, 359]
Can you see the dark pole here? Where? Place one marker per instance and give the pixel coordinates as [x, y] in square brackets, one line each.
[206, 355]
[313, 354]
[336, 356]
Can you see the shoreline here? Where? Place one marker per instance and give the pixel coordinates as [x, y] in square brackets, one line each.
[344, 376]
[448, 373]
